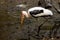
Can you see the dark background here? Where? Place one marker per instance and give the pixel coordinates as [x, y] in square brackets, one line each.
[10, 20]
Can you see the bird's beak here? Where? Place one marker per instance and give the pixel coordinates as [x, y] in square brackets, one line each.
[22, 16]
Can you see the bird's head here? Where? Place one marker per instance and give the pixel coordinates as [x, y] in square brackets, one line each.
[24, 14]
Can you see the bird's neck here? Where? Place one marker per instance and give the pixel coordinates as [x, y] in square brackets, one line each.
[26, 14]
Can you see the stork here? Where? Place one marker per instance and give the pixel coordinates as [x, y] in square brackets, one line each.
[35, 12]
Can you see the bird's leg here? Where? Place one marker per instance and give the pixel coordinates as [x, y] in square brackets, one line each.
[39, 27]
[56, 28]
[51, 31]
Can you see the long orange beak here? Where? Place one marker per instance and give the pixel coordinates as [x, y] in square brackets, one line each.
[22, 19]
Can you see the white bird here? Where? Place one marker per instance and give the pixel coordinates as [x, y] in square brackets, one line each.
[35, 12]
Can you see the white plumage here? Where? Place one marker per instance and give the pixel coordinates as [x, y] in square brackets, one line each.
[35, 12]
[36, 8]
[46, 11]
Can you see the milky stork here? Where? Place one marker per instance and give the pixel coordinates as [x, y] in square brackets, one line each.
[34, 12]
